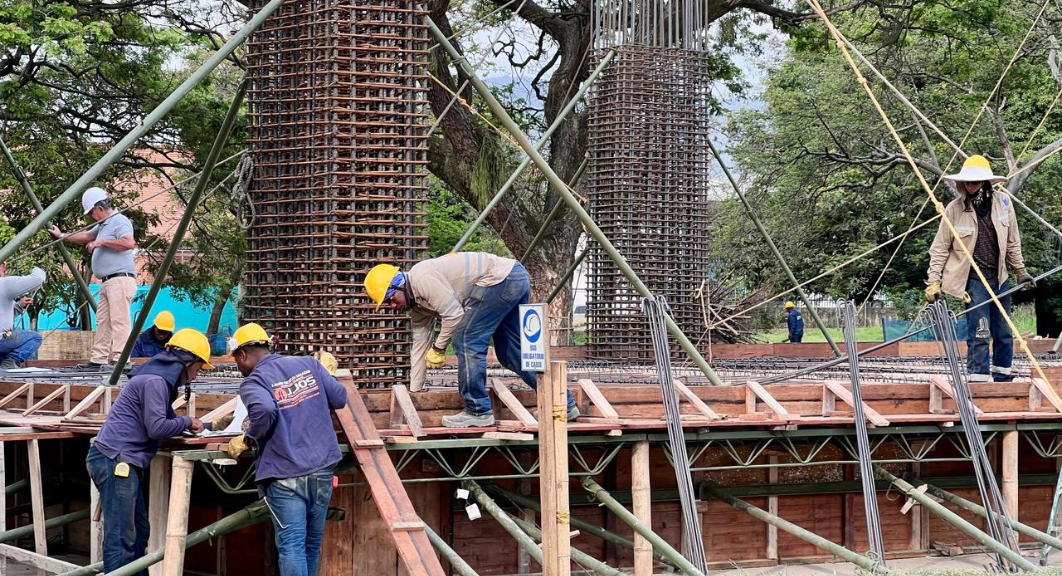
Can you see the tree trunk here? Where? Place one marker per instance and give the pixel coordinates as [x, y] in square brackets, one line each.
[222, 296]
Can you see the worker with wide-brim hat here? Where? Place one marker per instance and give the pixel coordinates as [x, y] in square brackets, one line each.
[987, 225]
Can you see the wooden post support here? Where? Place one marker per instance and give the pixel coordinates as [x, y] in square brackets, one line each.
[95, 526]
[642, 501]
[177, 521]
[40, 533]
[772, 508]
[1010, 474]
[158, 503]
[553, 479]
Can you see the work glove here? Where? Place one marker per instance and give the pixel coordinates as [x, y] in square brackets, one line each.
[933, 292]
[221, 423]
[327, 360]
[1025, 278]
[436, 359]
[237, 446]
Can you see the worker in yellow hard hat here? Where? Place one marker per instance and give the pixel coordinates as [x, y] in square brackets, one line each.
[154, 339]
[477, 297]
[794, 321]
[987, 225]
[289, 401]
[141, 417]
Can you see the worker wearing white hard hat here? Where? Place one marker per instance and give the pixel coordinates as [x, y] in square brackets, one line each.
[111, 243]
[988, 226]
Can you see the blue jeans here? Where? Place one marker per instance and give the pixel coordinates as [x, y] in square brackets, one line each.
[980, 324]
[124, 506]
[298, 508]
[492, 311]
[21, 346]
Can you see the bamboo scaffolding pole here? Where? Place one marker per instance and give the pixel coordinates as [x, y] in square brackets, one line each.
[456, 561]
[27, 530]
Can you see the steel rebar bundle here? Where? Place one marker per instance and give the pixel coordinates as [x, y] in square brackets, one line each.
[943, 322]
[691, 524]
[337, 133]
[866, 468]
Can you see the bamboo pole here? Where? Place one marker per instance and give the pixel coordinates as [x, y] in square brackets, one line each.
[957, 521]
[27, 530]
[537, 146]
[567, 275]
[554, 212]
[140, 131]
[182, 226]
[69, 260]
[804, 534]
[177, 518]
[673, 556]
[456, 561]
[580, 557]
[592, 228]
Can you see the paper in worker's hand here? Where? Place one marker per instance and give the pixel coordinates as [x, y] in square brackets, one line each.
[234, 427]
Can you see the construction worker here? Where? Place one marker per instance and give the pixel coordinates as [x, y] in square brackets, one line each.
[289, 401]
[140, 417]
[153, 340]
[794, 322]
[16, 346]
[477, 296]
[111, 243]
[988, 226]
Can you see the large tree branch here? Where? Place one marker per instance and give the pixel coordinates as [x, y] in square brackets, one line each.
[1001, 133]
[1018, 180]
[768, 8]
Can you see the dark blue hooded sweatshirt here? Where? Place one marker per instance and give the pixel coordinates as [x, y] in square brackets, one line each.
[142, 415]
[289, 401]
[146, 346]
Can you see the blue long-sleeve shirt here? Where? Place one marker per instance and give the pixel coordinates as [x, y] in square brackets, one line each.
[795, 322]
[289, 401]
[146, 345]
[140, 417]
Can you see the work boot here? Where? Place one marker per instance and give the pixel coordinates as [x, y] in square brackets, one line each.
[573, 413]
[9, 364]
[94, 366]
[464, 419]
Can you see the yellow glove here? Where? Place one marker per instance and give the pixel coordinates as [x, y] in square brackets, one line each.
[237, 446]
[327, 360]
[933, 292]
[436, 359]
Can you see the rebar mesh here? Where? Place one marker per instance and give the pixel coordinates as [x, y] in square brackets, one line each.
[649, 191]
[337, 136]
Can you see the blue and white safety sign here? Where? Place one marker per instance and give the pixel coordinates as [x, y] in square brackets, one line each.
[533, 340]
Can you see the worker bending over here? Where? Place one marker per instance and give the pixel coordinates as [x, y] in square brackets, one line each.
[988, 227]
[140, 417]
[289, 401]
[153, 340]
[477, 296]
[16, 346]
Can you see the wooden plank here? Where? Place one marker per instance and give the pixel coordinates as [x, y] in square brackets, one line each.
[1010, 474]
[223, 410]
[159, 478]
[766, 398]
[40, 533]
[642, 503]
[1046, 391]
[695, 401]
[44, 402]
[598, 399]
[397, 419]
[409, 412]
[388, 493]
[1036, 399]
[177, 522]
[829, 402]
[95, 525]
[520, 436]
[17, 393]
[553, 478]
[846, 396]
[40, 561]
[512, 403]
[945, 387]
[86, 402]
[772, 507]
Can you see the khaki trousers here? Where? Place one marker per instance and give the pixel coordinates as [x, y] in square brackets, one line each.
[113, 321]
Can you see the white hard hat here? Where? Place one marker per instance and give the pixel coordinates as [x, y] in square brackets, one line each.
[91, 197]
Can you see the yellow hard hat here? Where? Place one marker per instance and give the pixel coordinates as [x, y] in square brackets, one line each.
[193, 342]
[164, 321]
[250, 334]
[789, 304]
[378, 280]
[976, 168]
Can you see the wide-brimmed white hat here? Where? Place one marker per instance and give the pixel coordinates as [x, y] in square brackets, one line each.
[976, 169]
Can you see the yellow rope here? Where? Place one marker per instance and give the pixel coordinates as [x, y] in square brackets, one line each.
[925, 185]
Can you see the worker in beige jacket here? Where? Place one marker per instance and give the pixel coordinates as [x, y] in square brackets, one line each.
[988, 227]
[477, 297]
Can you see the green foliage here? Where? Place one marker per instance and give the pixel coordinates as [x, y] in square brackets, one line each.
[448, 218]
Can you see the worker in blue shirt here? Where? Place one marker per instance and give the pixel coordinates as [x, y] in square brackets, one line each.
[140, 417]
[289, 401]
[795, 322]
[154, 339]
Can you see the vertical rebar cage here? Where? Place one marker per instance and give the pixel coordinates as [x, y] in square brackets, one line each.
[337, 137]
[649, 173]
